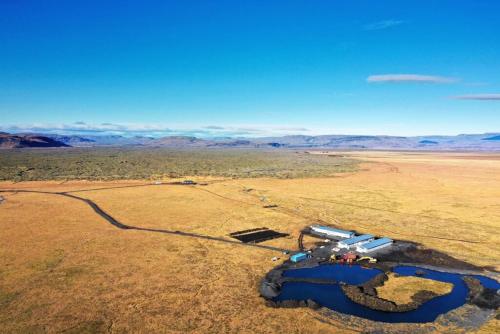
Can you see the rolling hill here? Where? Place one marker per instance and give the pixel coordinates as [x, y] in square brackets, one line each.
[9, 141]
[467, 142]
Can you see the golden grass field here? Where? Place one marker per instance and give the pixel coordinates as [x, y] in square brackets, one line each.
[401, 289]
[65, 269]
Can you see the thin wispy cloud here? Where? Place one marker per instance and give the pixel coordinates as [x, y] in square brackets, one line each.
[475, 84]
[299, 129]
[81, 127]
[214, 127]
[381, 25]
[479, 97]
[417, 78]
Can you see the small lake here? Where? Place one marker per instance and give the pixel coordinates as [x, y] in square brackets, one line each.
[332, 296]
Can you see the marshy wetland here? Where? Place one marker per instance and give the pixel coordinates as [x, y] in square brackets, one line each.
[64, 268]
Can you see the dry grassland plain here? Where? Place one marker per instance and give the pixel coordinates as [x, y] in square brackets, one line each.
[65, 269]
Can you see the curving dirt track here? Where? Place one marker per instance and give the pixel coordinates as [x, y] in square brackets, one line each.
[122, 226]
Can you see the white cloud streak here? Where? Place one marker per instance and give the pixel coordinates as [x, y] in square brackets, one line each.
[479, 97]
[416, 78]
[152, 130]
[381, 25]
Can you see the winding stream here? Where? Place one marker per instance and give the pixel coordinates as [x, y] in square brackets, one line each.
[332, 296]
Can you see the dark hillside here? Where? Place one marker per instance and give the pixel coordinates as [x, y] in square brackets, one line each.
[8, 141]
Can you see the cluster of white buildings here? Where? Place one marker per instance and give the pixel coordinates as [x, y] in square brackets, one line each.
[364, 243]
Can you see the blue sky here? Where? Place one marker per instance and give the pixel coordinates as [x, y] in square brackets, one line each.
[250, 68]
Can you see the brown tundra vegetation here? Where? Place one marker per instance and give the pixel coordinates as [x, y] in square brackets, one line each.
[63, 268]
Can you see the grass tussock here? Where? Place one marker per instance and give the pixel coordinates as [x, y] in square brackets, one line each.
[6, 298]
[87, 327]
[50, 262]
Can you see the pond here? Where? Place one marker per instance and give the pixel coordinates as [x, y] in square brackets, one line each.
[332, 296]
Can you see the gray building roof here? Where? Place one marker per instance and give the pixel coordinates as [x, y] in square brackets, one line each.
[376, 243]
[355, 240]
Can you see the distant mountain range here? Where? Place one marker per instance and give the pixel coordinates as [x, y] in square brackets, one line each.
[472, 142]
[21, 141]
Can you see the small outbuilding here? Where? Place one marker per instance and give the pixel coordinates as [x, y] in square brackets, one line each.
[298, 257]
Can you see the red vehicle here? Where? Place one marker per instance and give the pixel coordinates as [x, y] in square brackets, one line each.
[349, 258]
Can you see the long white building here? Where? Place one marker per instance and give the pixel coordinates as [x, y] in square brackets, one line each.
[331, 232]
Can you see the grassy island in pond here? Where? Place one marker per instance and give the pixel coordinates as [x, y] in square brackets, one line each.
[401, 289]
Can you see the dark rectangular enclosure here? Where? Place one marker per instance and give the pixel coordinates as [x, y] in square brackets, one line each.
[248, 231]
[257, 235]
